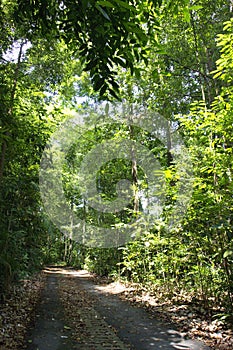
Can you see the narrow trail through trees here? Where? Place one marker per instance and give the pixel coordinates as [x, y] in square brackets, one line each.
[76, 313]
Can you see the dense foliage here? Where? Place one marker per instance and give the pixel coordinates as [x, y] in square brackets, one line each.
[105, 33]
[174, 58]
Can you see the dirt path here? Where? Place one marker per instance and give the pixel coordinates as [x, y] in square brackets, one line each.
[50, 331]
[76, 313]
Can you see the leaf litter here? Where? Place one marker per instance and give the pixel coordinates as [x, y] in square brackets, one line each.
[17, 312]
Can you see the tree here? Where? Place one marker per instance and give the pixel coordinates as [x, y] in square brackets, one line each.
[31, 109]
[195, 92]
[105, 34]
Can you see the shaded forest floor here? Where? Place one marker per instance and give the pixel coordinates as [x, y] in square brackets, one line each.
[18, 311]
[82, 294]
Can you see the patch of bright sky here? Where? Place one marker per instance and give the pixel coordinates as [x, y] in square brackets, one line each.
[12, 54]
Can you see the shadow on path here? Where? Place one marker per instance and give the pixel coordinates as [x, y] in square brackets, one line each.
[134, 324]
[135, 328]
[49, 332]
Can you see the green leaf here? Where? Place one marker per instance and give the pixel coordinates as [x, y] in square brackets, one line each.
[103, 12]
[105, 4]
[67, 328]
[195, 7]
[186, 14]
[98, 84]
[103, 89]
[112, 92]
[228, 253]
[91, 64]
[125, 5]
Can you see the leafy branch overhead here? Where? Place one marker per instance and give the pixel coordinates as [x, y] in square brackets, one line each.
[105, 34]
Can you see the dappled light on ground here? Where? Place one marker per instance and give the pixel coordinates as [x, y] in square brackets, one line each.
[180, 310]
[95, 309]
[86, 303]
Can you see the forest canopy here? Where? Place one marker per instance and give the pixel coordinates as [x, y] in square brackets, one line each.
[104, 34]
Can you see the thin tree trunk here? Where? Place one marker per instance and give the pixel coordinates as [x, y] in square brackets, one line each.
[202, 69]
[134, 170]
